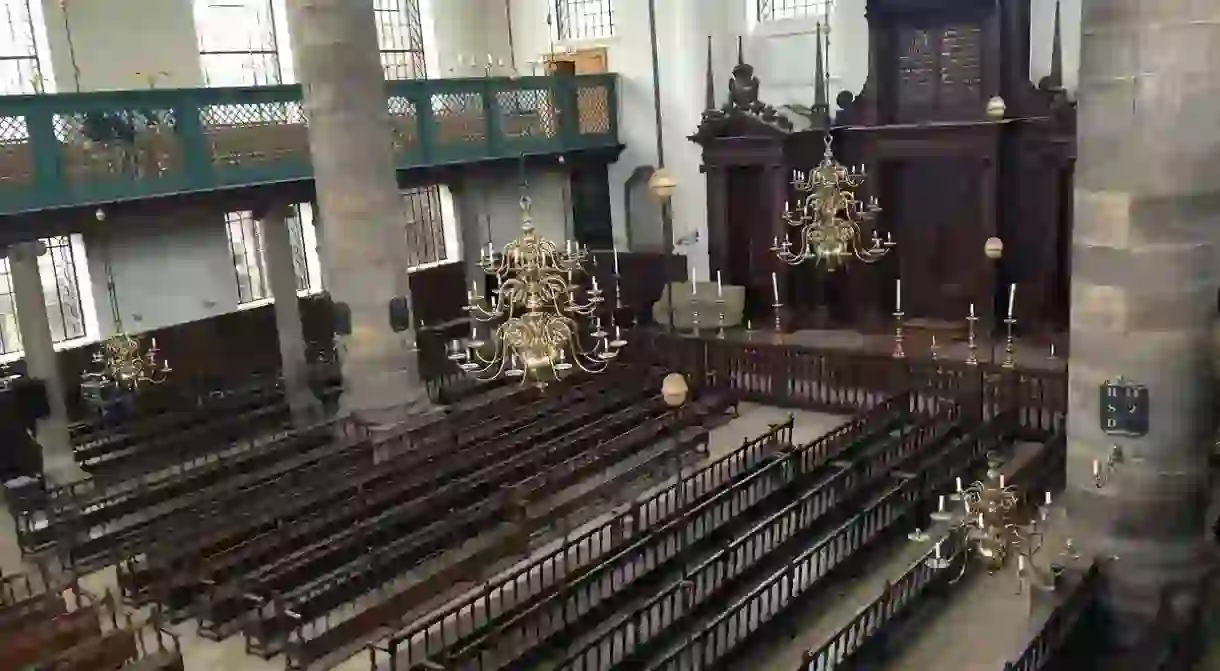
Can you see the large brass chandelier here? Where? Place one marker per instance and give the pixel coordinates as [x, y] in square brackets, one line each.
[831, 219]
[540, 329]
[987, 527]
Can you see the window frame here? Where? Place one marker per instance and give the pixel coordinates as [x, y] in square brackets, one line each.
[268, 53]
[595, 24]
[766, 11]
[405, 14]
[60, 296]
[38, 82]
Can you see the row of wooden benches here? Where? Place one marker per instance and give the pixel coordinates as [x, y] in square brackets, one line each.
[46, 630]
[652, 575]
[298, 585]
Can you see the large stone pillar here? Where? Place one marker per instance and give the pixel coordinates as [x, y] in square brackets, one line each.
[40, 360]
[282, 278]
[335, 47]
[1143, 292]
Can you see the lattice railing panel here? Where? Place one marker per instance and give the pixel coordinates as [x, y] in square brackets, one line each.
[16, 158]
[119, 144]
[526, 113]
[593, 102]
[404, 124]
[256, 133]
[460, 118]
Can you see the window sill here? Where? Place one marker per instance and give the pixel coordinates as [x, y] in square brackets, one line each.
[74, 343]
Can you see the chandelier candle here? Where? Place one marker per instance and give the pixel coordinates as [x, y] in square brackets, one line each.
[616, 260]
[719, 286]
[775, 286]
[1012, 295]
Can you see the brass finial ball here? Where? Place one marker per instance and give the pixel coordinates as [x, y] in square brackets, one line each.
[674, 389]
[993, 248]
[662, 184]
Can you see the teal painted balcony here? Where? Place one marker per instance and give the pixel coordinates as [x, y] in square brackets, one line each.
[82, 149]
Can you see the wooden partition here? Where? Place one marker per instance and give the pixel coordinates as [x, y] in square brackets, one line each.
[843, 381]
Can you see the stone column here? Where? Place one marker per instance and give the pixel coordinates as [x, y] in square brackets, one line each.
[471, 229]
[41, 361]
[1143, 292]
[335, 48]
[282, 279]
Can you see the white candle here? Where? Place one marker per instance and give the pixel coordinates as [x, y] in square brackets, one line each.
[154, 343]
[981, 524]
[618, 335]
[616, 259]
[1001, 481]
[940, 503]
[489, 60]
[1048, 498]
[1021, 563]
[936, 549]
[972, 309]
[1096, 468]
[469, 298]
[1012, 294]
[694, 283]
[1052, 350]
[959, 485]
[775, 286]
[491, 251]
[898, 295]
[719, 286]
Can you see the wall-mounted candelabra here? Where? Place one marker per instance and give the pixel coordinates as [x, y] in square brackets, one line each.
[1103, 472]
[898, 352]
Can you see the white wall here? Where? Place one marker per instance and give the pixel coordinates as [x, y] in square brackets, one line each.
[167, 270]
[119, 44]
[499, 197]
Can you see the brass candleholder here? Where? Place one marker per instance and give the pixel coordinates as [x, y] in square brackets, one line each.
[694, 313]
[972, 346]
[779, 320]
[618, 294]
[899, 353]
[934, 350]
[720, 317]
[1008, 345]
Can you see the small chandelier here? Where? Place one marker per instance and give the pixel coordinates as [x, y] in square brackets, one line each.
[832, 220]
[126, 364]
[536, 318]
[987, 527]
[122, 360]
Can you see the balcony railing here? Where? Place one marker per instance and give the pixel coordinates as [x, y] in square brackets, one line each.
[90, 148]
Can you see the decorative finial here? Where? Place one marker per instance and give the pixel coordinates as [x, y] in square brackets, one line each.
[741, 56]
[1056, 77]
[821, 104]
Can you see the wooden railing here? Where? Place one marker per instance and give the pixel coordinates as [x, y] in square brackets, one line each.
[1062, 623]
[843, 381]
[82, 149]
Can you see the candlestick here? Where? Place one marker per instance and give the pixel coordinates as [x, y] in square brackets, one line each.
[1012, 295]
[933, 349]
[972, 358]
[1008, 361]
[694, 309]
[898, 295]
[720, 318]
[898, 351]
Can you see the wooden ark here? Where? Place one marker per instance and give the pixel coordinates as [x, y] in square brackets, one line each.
[947, 175]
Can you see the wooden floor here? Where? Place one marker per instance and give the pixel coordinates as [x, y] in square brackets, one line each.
[229, 655]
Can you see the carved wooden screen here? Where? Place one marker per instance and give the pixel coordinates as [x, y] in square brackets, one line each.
[938, 71]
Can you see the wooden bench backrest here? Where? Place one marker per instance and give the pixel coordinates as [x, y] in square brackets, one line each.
[106, 653]
[46, 639]
[15, 617]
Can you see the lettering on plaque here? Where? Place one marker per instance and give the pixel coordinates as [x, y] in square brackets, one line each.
[1124, 408]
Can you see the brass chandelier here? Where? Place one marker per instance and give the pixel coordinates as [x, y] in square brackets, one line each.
[536, 320]
[831, 219]
[123, 362]
[987, 528]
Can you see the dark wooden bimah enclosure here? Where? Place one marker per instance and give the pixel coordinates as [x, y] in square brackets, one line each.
[959, 147]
